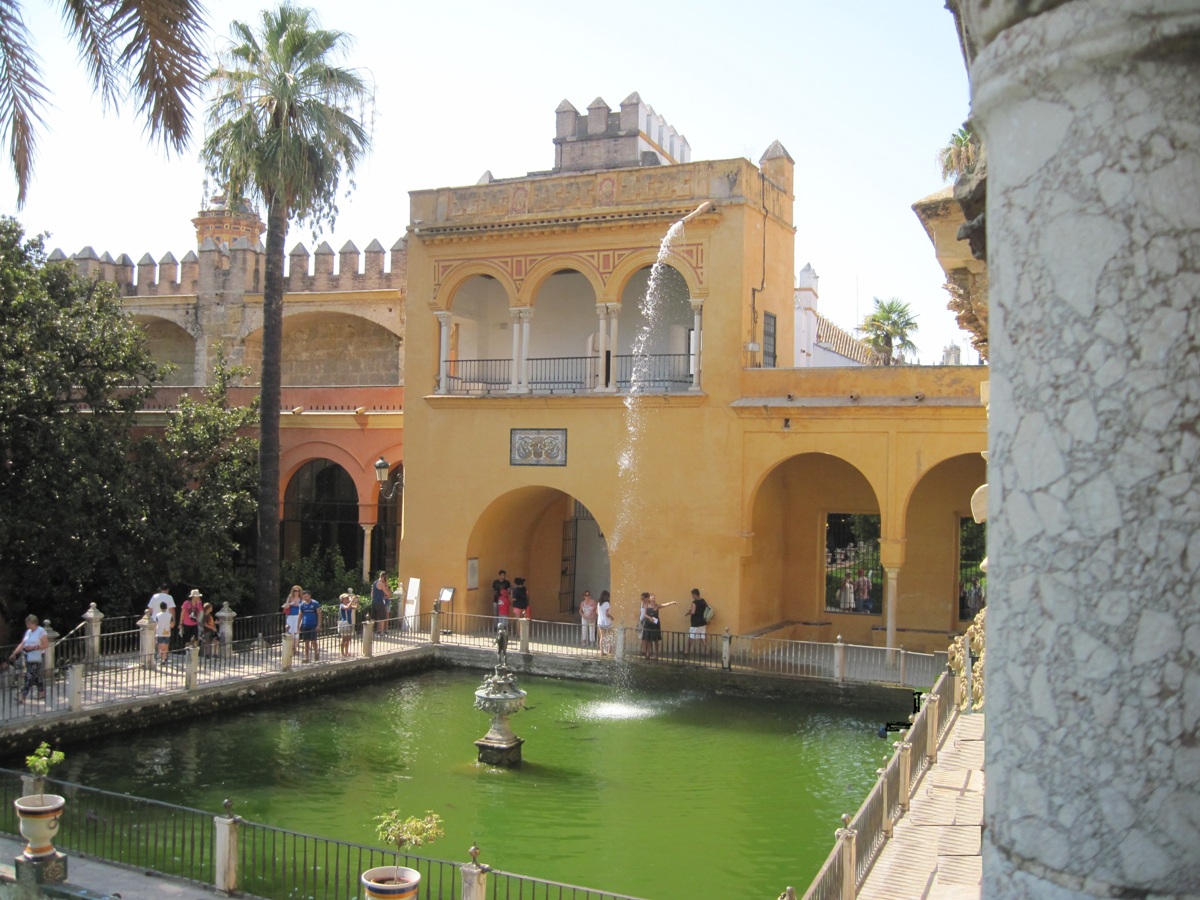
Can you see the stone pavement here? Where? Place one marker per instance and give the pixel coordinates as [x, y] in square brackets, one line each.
[934, 853]
[102, 879]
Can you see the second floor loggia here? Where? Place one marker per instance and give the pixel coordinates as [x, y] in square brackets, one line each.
[569, 342]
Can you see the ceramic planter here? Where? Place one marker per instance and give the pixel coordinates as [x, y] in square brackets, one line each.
[39, 823]
[391, 883]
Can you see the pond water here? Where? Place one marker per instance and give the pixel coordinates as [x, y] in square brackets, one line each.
[658, 796]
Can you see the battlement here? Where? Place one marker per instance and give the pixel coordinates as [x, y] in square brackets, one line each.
[603, 139]
[221, 268]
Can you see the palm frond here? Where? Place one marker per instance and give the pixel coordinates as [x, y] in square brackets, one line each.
[22, 94]
[88, 22]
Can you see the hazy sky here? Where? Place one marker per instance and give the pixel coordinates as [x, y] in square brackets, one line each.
[862, 95]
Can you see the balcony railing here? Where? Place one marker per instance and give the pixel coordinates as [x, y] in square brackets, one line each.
[571, 374]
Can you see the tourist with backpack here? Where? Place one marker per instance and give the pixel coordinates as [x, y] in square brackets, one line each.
[698, 614]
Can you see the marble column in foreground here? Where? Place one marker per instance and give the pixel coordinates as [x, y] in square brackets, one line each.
[1090, 110]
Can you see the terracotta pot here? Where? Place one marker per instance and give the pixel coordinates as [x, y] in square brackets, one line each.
[39, 822]
[391, 883]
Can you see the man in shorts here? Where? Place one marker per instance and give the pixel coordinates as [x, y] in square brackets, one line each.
[697, 624]
[310, 624]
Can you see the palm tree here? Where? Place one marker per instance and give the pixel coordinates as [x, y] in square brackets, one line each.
[283, 125]
[960, 155]
[152, 43]
[889, 329]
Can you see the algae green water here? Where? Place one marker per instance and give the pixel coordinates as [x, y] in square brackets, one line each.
[659, 796]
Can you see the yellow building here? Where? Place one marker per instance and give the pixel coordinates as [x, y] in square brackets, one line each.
[558, 428]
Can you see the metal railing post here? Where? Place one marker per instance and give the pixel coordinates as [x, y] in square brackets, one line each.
[727, 650]
[848, 837]
[93, 617]
[839, 659]
[146, 625]
[225, 617]
[75, 687]
[368, 638]
[523, 629]
[474, 877]
[225, 850]
[435, 625]
[931, 727]
[191, 667]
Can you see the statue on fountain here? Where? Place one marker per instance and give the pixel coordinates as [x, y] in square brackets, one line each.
[502, 645]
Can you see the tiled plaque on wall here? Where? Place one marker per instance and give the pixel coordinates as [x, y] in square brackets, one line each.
[538, 447]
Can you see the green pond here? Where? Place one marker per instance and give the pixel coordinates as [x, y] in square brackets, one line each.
[655, 795]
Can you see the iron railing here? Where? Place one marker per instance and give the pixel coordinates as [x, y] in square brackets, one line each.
[657, 372]
[472, 375]
[563, 374]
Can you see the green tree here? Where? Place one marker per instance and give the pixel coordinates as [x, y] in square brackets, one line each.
[73, 370]
[151, 45]
[283, 126]
[960, 155]
[889, 329]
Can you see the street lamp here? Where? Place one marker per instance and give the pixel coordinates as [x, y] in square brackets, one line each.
[382, 471]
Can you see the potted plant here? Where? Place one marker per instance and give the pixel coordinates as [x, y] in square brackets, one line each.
[39, 811]
[400, 882]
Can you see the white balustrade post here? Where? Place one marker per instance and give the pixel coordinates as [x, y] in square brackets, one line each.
[727, 650]
[368, 638]
[968, 675]
[289, 650]
[191, 667]
[931, 727]
[48, 666]
[225, 851]
[905, 771]
[93, 617]
[523, 630]
[619, 650]
[903, 667]
[839, 660]
[848, 839]
[75, 687]
[435, 624]
[146, 626]
[225, 617]
[883, 798]
[474, 877]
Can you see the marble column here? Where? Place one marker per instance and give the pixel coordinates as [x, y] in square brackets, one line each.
[1090, 111]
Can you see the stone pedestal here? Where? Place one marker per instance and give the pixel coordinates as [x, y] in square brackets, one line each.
[50, 869]
[500, 696]
[496, 753]
[1090, 111]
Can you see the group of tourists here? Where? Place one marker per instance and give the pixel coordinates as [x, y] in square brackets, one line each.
[510, 599]
[698, 614]
[197, 625]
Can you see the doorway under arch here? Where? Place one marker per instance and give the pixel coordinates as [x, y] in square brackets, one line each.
[320, 513]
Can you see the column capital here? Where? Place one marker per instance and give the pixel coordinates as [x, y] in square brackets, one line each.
[697, 303]
[443, 315]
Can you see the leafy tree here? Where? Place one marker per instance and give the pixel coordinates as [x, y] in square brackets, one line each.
[889, 329]
[284, 124]
[154, 45]
[960, 155]
[72, 517]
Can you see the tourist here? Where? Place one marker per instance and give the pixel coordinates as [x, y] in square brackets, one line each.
[310, 624]
[604, 623]
[34, 645]
[652, 625]
[847, 595]
[697, 623]
[587, 616]
[291, 613]
[162, 631]
[190, 616]
[381, 599]
[501, 583]
[208, 632]
[503, 607]
[162, 597]
[520, 599]
[347, 609]
[862, 593]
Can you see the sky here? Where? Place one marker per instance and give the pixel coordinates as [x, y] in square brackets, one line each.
[862, 95]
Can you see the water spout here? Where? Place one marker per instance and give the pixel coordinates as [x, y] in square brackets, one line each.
[699, 210]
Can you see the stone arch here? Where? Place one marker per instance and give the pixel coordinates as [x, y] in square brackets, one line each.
[785, 574]
[635, 262]
[522, 531]
[927, 602]
[173, 344]
[543, 270]
[461, 273]
[322, 347]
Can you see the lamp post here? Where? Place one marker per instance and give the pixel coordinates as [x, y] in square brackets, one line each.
[382, 472]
